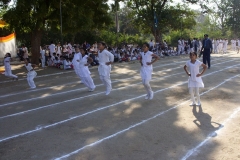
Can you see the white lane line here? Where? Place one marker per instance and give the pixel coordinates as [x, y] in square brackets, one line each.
[35, 109]
[98, 109]
[59, 73]
[38, 89]
[40, 76]
[52, 87]
[212, 134]
[51, 105]
[135, 125]
[30, 99]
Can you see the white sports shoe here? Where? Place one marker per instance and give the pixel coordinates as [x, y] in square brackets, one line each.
[91, 90]
[107, 92]
[147, 96]
[198, 104]
[192, 104]
[151, 95]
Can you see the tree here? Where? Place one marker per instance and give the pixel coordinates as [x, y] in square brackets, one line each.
[34, 17]
[234, 19]
[159, 17]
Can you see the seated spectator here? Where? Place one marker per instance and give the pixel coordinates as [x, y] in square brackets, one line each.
[67, 64]
[20, 54]
[59, 63]
[95, 59]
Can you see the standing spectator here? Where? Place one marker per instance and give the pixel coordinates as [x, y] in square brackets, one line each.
[59, 49]
[225, 43]
[25, 51]
[85, 45]
[216, 43]
[42, 56]
[20, 54]
[196, 45]
[151, 44]
[52, 48]
[179, 46]
[65, 49]
[207, 47]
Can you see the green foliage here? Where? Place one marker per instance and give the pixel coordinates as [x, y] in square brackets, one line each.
[169, 17]
[38, 16]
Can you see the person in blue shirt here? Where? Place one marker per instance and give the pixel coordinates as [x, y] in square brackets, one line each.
[207, 46]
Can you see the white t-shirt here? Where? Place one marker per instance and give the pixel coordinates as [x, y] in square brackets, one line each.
[151, 44]
[193, 80]
[146, 70]
[25, 50]
[42, 54]
[52, 48]
[104, 57]
[59, 50]
[29, 67]
[76, 60]
[7, 62]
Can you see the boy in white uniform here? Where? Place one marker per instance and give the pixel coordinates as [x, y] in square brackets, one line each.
[31, 73]
[220, 46]
[225, 43]
[7, 65]
[179, 46]
[146, 69]
[234, 44]
[106, 58]
[25, 50]
[216, 43]
[76, 62]
[238, 45]
[59, 49]
[42, 56]
[84, 72]
[52, 48]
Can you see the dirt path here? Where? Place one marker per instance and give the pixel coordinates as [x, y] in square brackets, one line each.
[62, 120]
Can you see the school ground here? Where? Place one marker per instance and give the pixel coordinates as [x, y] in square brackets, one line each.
[60, 119]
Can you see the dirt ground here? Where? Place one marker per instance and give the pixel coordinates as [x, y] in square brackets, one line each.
[60, 119]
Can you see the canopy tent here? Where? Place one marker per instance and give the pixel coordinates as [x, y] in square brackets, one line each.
[8, 43]
[2, 24]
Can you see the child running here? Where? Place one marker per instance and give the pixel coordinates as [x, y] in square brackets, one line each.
[76, 62]
[84, 71]
[105, 60]
[31, 73]
[195, 81]
[146, 69]
[8, 70]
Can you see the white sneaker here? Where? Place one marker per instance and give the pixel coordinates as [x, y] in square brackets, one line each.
[198, 104]
[91, 90]
[192, 104]
[147, 96]
[107, 92]
[151, 95]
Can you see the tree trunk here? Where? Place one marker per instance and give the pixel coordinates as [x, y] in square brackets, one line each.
[157, 34]
[35, 46]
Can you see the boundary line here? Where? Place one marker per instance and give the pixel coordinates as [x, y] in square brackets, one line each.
[102, 108]
[135, 125]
